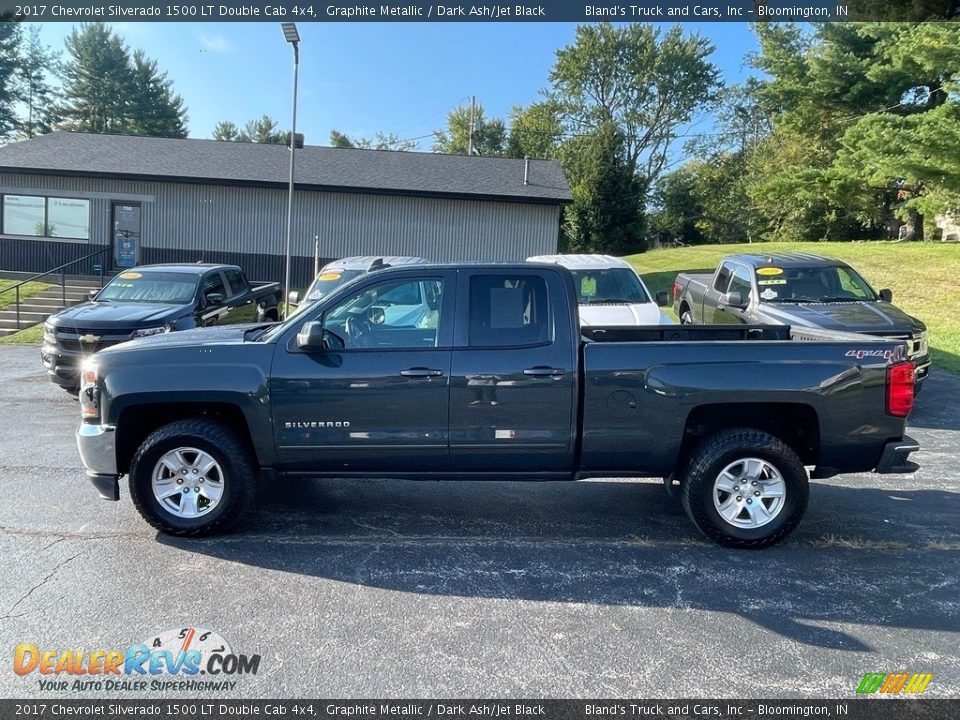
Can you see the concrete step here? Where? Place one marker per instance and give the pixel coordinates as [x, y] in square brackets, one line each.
[34, 308]
[26, 318]
[12, 325]
[5, 331]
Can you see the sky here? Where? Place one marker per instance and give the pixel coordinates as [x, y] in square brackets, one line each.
[361, 78]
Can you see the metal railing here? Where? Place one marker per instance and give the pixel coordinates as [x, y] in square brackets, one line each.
[62, 269]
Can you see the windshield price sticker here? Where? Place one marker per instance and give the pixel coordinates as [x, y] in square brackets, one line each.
[131, 275]
[769, 271]
[773, 281]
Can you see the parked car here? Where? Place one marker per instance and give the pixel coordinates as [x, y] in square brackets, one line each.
[338, 272]
[148, 300]
[609, 291]
[503, 384]
[801, 290]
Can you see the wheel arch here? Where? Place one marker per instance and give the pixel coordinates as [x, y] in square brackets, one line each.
[796, 424]
[136, 422]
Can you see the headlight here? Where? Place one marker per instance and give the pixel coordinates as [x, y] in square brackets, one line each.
[89, 392]
[49, 335]
[924, 346]
[150, 331]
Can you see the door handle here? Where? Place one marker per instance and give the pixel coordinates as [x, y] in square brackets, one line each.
[545, 372]
[421, 372]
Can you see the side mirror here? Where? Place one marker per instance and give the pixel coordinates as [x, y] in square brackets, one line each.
[213, 299]
[886, 295]
[734, 299]
[93, 294]
[310, 336]
[663, 298]
[294, 298]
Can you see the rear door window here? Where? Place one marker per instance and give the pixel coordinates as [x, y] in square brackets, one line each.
[509, 311]
[723, 278]
[238, 283]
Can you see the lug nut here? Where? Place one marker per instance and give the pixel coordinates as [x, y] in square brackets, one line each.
[195, 472]
[201, 480]
[757, 493]
[749, 501]
[739, 498]
[736, 488]
[179, 481]
[754, 482]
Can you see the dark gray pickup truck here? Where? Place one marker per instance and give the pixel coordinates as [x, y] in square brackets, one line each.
[150, 300]
[800, 290]
[481, 372]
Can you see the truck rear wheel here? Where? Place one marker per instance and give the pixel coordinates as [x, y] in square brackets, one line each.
[744, 488]
[192, 477]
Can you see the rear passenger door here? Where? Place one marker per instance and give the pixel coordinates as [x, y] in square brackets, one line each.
[240, 298]
[712, 310]
[513, 374]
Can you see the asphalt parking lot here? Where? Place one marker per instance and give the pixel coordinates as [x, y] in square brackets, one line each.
[597, 589]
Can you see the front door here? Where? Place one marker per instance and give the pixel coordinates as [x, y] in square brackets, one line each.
[376, 399]
[125, 234]
[514, 376]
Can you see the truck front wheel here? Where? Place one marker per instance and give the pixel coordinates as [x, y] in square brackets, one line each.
[744, 488]
[192, 477]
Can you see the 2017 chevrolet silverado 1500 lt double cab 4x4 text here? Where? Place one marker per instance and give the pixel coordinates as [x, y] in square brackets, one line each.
[800, 290]
[481, 372]
[148, 300]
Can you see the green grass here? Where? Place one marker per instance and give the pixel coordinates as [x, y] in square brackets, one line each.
[27, 336]
[924, 277]
[30, 289]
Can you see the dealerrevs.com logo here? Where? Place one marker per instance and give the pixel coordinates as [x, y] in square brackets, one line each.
[189, 659]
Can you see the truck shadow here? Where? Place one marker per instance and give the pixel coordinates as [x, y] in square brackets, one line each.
[862, 556]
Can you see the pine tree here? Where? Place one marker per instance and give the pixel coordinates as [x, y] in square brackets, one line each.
[38, 96]
[97, 79]
[226, 130]
[9, 59]
[154, 108]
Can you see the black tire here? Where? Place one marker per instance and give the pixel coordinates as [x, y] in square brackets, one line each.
[236, 462]
[714, 454]
[71, 389]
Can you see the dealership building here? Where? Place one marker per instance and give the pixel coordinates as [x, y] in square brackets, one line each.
[121, 200]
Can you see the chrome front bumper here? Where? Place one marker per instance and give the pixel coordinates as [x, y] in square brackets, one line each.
[97, 445]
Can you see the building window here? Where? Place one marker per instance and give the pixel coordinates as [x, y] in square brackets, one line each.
[24, 215]
[46, 217]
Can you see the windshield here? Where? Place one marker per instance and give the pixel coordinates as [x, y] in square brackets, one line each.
[328, 281]
[611, 285]
[153, 287]
[816, 284]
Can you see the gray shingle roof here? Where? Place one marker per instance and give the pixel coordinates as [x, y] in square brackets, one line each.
[319, 167]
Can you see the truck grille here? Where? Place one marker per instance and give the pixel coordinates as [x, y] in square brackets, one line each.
[81, 340]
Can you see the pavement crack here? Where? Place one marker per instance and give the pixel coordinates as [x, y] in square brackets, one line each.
[37, 586]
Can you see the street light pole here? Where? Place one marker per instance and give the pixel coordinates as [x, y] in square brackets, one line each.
[293, 37]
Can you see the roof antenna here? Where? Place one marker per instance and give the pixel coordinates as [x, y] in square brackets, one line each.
[526, 169]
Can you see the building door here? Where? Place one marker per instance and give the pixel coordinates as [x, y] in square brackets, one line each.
[125, 234]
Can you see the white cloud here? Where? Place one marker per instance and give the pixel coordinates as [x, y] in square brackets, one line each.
[214, 43]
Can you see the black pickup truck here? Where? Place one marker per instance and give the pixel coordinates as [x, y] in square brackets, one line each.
[149, 300]
[801, 290]
[482, 372]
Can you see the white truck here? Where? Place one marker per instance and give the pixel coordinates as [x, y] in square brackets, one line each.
[609, 291]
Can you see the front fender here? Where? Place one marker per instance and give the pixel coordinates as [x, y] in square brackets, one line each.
[236, 375]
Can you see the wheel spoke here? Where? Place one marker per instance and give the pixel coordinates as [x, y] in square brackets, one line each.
[162, 492]
[204, 464]
[172, 463]
[188, 504]
[725, 482]
[772, 490]
[758, 513]
[211, 491]
[730, 509]
[752, 468]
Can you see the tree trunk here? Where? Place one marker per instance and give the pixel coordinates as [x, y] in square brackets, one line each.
[913, 228]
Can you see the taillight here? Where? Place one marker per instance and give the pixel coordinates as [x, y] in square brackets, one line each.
[676, 290]
[900, 393]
